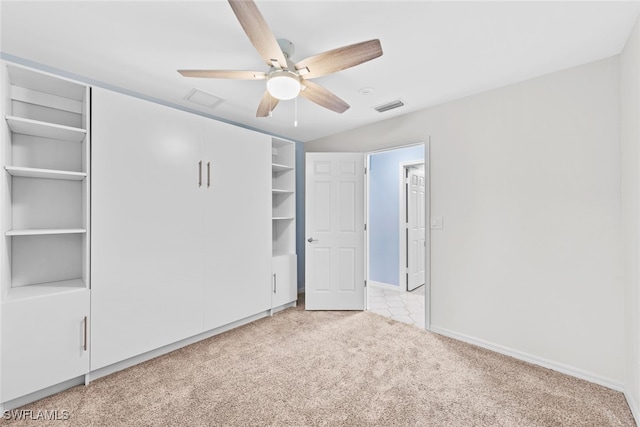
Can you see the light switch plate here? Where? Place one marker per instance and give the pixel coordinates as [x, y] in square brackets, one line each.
[436, 222]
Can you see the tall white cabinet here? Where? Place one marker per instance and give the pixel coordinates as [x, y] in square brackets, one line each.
[283, 223]
[45, 220]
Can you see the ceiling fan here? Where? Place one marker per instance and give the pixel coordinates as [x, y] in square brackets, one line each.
[286, 80]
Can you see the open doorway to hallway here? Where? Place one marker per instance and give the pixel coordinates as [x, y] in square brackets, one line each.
[397, 200]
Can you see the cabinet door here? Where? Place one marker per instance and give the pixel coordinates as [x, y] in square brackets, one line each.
[147, 221]
[238, 224]
[43, 342]
[284, 280]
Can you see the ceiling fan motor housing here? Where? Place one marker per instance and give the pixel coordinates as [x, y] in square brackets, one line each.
[287, 48]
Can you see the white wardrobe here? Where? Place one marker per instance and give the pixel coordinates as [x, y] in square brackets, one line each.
[192, 233]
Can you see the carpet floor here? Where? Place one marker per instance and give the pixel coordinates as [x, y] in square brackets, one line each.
[302, 368]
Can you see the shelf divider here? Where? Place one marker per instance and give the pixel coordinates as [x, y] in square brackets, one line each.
[275, 167]
[44, 231]
[280, 191]
[45, 173]
[43, 129]
[44, 289]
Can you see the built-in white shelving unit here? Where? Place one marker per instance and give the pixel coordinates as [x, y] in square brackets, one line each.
[45, 222]
[283, 218]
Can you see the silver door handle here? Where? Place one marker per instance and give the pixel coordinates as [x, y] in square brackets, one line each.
[208, 174]
[275, 283]
[200, 173]
[311, 240]
[84, 334]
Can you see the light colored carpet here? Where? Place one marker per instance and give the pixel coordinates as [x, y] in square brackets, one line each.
[336, 369]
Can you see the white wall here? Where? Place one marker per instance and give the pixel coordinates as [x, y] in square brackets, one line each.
[527, 178]
[630, 139]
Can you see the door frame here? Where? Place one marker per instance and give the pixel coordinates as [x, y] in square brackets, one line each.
[427, 173]
[401, 224]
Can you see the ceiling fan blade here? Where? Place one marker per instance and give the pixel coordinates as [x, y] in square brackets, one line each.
[258, 32]
[225, 74]
[267, 104]
[339, 59]
[321, 96]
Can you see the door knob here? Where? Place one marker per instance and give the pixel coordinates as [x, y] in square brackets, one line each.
[311, 240]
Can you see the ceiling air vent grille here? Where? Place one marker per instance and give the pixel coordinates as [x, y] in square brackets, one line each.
[203, 98]
[389, 106]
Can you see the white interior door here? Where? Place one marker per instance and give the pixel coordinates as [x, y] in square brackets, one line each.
[334, 260]
[415, 228]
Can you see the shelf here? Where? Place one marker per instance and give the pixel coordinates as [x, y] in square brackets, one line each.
[275, 167]
[44, 129]
[45, 173]
[45, 231]
[281, 253]
[278, 191]
[282, 218]
[45, 289]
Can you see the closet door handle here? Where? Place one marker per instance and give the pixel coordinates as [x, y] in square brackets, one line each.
[275, 283]
[84, 334]
[200, 173]
[208, 174]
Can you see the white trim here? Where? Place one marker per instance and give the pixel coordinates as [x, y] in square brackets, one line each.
[41, 394]
[633, 406]
[291, 304]
[540, 361]
[367, 173]
[397, 147]
[427, 234]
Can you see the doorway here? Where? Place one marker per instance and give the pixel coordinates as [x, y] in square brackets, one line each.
[396, 238]
[412, 225]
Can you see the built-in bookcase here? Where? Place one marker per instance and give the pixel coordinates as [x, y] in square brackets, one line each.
[283, 186]
[44, 222]
[283, 218]
[45, 216]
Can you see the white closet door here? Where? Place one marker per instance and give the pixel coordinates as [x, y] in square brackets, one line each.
[147, 221]
[238, 224]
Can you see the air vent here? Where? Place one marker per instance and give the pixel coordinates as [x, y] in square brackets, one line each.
[202, 98]
[389, 106]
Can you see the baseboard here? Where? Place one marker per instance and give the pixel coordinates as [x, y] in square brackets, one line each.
[633, 406]
[41, 394]
[535, 360]
[119, 366]
[284, 307]
[385, 285]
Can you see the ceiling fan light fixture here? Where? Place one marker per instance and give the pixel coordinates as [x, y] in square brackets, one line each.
[283, 84]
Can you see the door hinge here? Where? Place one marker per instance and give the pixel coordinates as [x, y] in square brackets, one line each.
[365, 283]
[365, 227]
[365, 171]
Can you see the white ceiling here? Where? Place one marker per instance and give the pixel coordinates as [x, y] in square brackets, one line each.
[434, 52]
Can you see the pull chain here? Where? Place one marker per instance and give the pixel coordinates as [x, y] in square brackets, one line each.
[295, 113]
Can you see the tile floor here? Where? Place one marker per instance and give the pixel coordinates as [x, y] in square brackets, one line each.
[407, 307]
